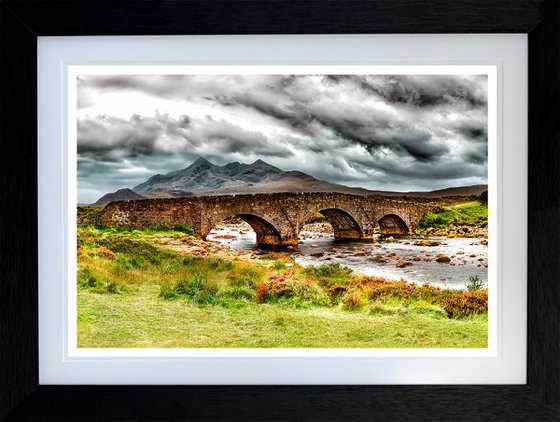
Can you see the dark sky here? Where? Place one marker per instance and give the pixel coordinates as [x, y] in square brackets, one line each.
[382, 132]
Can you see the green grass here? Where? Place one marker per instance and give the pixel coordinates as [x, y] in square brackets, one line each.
[134, 293]
[93, 224]
[144, 320]
[464, 213]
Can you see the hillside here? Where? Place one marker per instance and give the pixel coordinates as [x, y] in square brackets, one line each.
[204, 178]
[120, 195]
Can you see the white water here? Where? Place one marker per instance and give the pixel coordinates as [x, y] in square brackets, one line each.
[379, 258]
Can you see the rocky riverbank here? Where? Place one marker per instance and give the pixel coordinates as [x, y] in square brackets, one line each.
[436, 260]
[190, 245]
[457, 230]
[451, 231]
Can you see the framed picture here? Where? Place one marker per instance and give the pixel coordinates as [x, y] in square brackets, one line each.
[233, 185]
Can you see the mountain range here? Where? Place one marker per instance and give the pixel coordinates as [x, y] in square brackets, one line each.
[204, 178]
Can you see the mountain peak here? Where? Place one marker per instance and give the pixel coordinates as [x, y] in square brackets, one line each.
[261, 163]
[263, 166]
[119, 195]
[204, 177]
[201, 161]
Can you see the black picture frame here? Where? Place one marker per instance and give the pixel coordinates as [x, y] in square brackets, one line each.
[21, 396]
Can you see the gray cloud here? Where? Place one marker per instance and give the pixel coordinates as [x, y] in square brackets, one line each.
[397, 132]
[420, 91]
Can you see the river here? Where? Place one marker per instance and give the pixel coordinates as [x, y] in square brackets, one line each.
[468, 256]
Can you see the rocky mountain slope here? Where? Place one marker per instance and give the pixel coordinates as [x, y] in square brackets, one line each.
[120, 195]
[204, 178]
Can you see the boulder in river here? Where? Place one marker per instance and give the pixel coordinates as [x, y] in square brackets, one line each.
[361, 253]
[426, 242]
[402, 264]
[442, 258]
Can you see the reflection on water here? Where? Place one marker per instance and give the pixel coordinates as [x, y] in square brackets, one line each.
[417, 264]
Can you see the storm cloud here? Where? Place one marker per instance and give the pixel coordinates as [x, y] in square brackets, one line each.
[382, 132]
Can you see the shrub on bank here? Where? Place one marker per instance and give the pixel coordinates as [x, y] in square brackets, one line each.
[466, 303]
[328, 272]
[112, 262]
[336, 292]
[398, 290]
[287, 286]
[352, 300]
[456, 303]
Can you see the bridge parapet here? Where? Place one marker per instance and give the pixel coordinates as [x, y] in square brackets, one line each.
[277, 218]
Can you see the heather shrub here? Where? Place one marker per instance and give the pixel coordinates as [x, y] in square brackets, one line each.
[466, 303]
[352, 300]
[336, 292]
[308, 291]
[103, 252]
[286, 286]
[399, 290]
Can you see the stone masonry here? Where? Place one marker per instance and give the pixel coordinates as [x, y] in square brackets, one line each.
[277, 218]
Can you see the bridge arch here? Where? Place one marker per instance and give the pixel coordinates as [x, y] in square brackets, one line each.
[267, 233]
[391, 224]
[343, 223]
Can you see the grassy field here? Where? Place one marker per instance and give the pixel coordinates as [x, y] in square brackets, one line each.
[133, 292]
[475, 213]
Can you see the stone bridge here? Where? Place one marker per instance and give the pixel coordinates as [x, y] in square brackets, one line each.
[277, 218]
